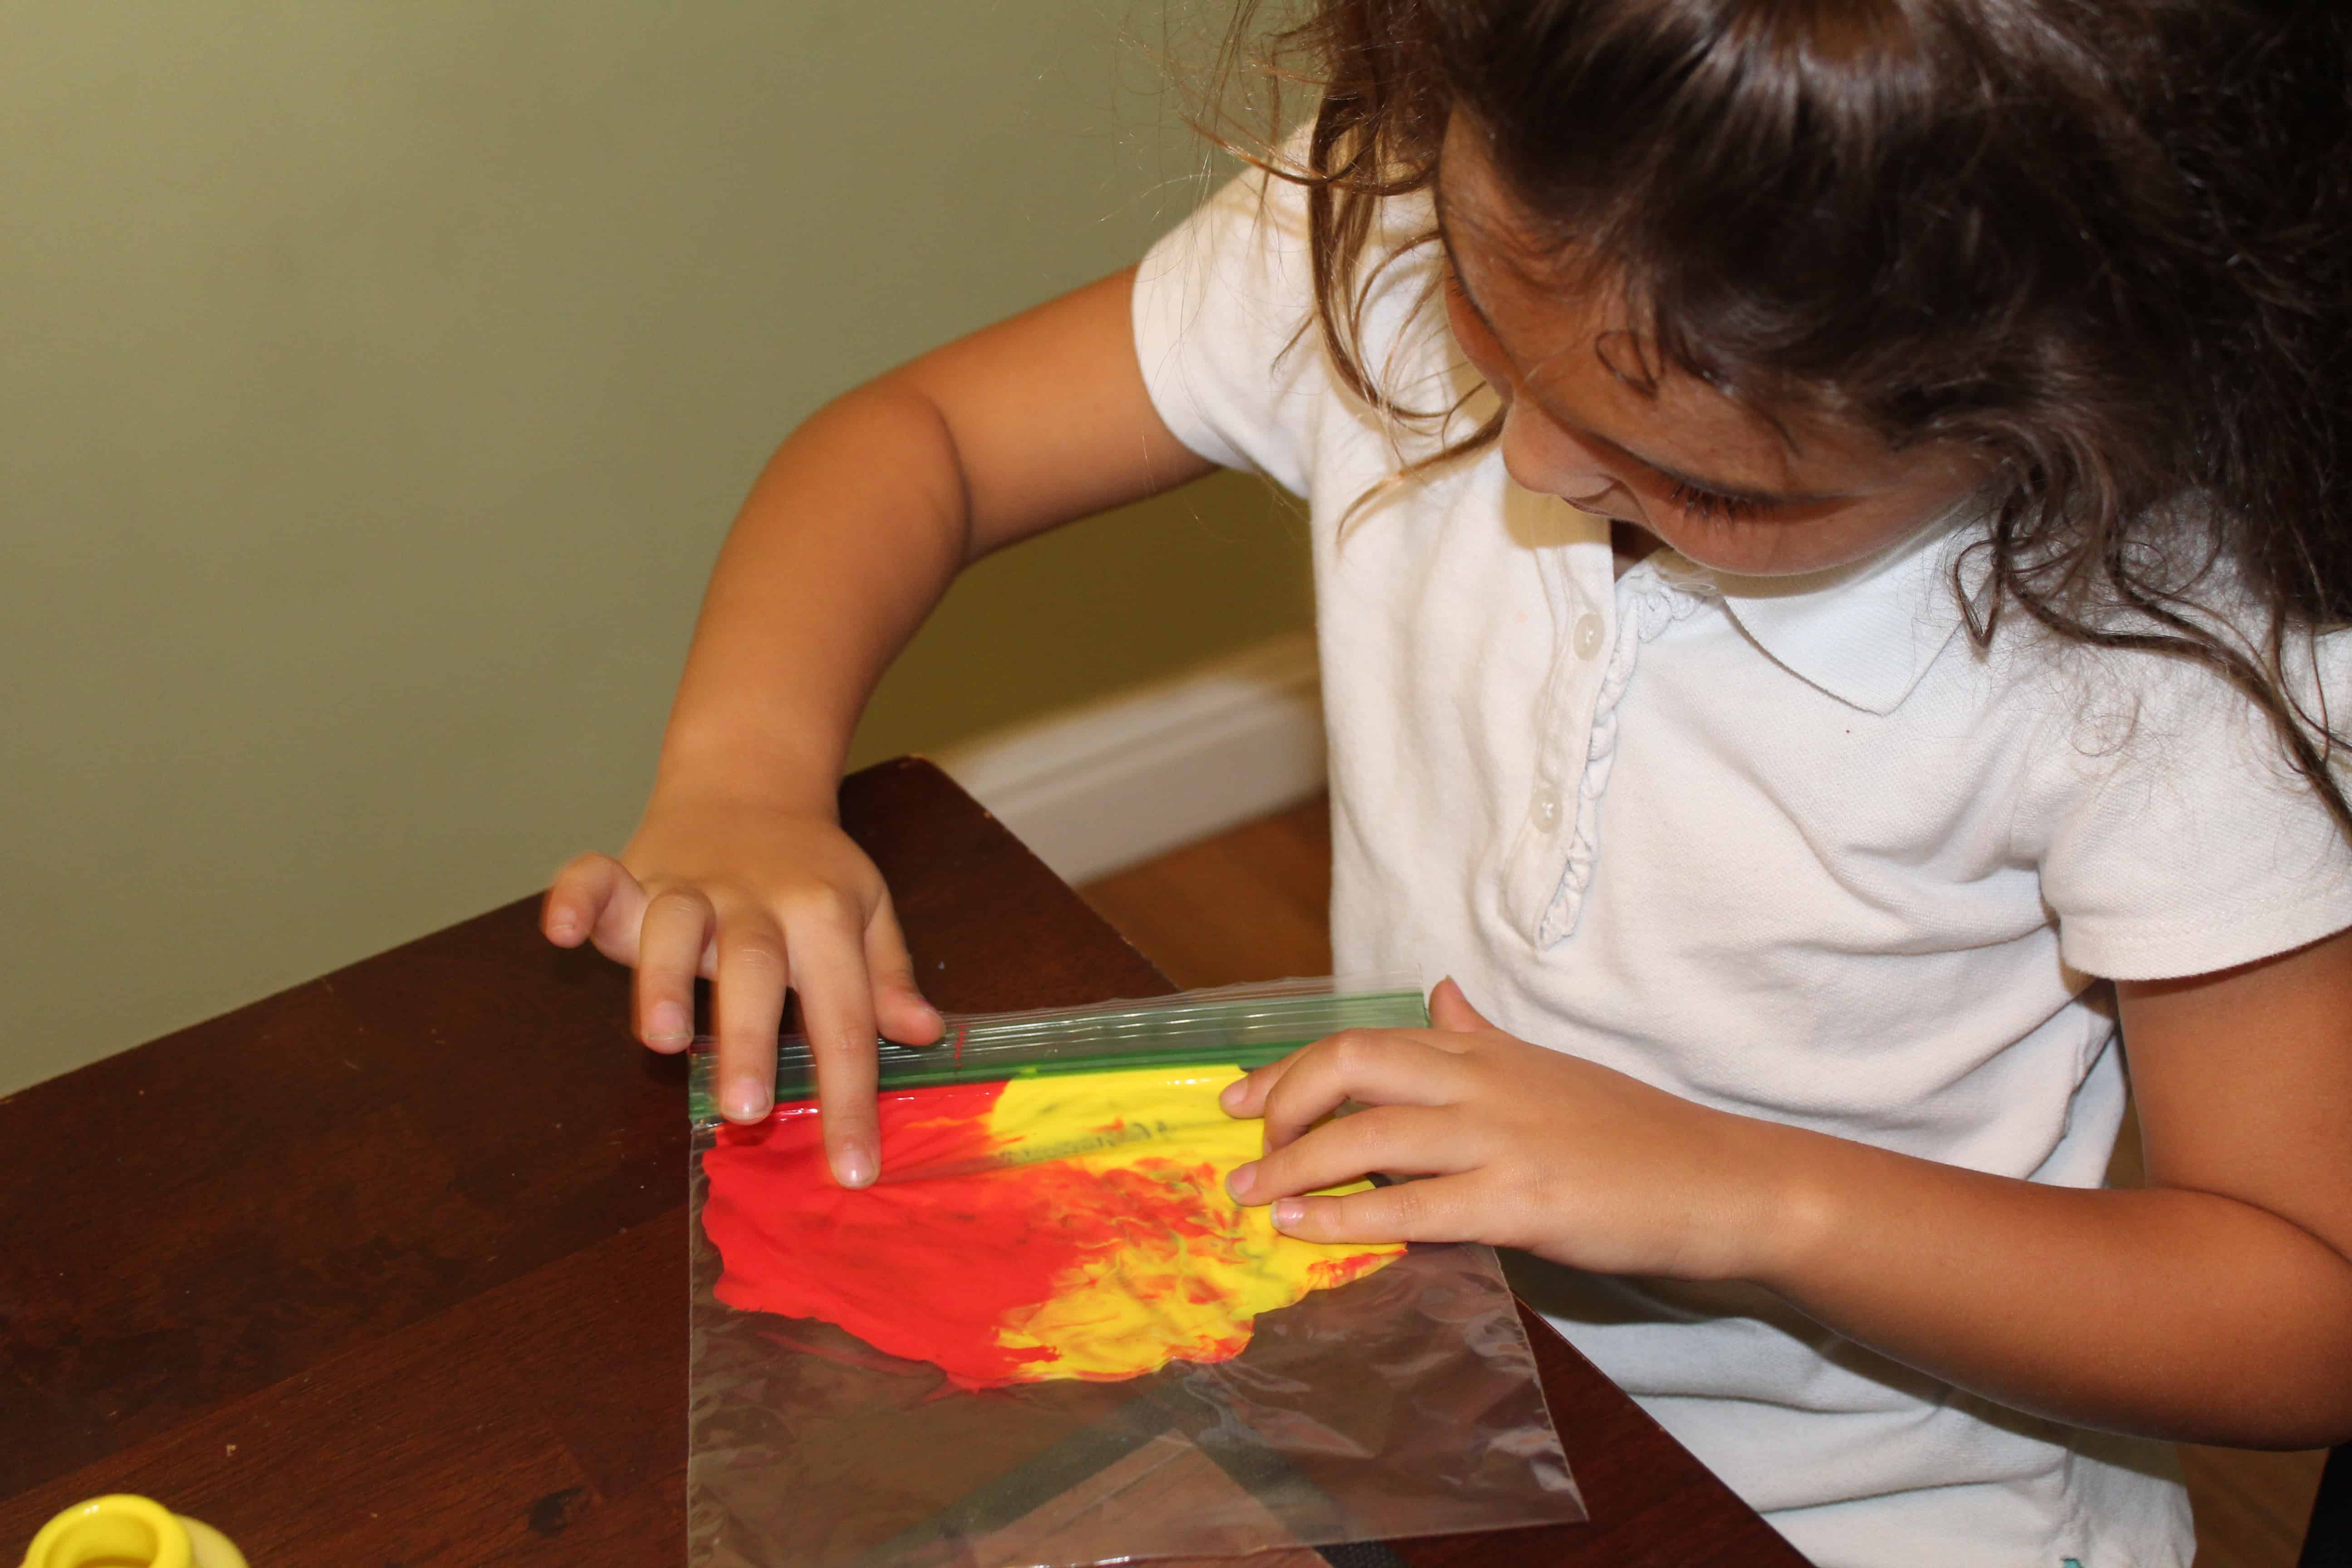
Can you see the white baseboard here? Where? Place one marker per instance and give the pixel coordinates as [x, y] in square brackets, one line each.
[1098, 787]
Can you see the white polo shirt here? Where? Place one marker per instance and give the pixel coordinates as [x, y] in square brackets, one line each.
[1795, 847]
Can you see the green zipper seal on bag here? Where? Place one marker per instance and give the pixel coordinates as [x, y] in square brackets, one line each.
[1232, 1025]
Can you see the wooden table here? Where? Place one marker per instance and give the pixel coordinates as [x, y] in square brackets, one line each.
[388, 1270]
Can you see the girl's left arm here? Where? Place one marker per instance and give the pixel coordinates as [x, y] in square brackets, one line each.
[2213, 1305]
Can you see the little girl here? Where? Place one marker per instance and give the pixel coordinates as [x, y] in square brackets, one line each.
[1825, 516]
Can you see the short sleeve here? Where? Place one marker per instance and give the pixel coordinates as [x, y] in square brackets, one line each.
[2176, 837]
[1225, 332]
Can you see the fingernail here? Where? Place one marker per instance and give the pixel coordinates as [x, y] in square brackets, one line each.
[745, 1101]
[1286, 1212]
[1230, 1097]
[670, 1026]
[854, 1168]
[1239, 1179]
[561, 927]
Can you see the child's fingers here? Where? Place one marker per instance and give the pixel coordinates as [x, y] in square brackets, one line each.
[594, 898]
[747, 1002]
[1439, 1209]
[1450, 1010]
[1373, 1067]
[1246, 1096]
[899, 1007]
[838, 1010]
[670, 939]
[1406, 1138]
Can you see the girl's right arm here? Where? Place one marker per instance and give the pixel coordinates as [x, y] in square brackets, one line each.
[740, 871]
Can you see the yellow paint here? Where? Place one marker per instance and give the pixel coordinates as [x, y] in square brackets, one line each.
[1183, 1269]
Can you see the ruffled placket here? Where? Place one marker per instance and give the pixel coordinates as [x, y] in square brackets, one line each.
[1647, 601]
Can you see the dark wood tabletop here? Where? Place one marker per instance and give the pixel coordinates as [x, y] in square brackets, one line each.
[389, 1270]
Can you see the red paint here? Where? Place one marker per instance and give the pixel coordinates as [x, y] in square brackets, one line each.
[795, 1242]
[931, 1271]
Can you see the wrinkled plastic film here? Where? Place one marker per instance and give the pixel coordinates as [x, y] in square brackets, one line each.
[1403, 1403]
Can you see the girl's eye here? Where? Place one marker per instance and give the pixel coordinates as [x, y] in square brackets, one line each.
[1712, 506]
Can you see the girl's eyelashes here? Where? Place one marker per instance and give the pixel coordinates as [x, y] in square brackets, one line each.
[1714, 506]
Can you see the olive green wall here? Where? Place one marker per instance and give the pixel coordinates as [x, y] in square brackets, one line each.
[376, 382]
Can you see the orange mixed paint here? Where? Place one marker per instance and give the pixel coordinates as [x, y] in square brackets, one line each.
[1073, 1226]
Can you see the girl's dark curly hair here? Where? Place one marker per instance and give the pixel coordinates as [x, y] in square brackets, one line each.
[2106, 244]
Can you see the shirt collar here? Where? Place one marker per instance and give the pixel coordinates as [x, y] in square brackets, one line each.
[1865, 632]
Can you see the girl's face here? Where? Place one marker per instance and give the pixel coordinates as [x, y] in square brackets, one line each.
[1720, 483]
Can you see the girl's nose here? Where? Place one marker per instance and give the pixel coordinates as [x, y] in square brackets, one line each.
[1541, 456]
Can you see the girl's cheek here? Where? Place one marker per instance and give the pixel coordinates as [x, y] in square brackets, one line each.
[1537, 454]
[1471, 338]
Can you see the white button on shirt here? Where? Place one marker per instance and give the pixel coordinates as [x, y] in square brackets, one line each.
[1796, 848]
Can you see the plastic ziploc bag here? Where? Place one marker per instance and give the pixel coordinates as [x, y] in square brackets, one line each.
[1099, 1356]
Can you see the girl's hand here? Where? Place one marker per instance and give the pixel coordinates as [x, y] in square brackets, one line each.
[1520, 1147]
[755, 900]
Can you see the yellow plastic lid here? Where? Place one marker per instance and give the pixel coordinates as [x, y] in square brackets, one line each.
[122, 1530]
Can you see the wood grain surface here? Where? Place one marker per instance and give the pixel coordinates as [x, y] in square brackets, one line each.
[387, 1270]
